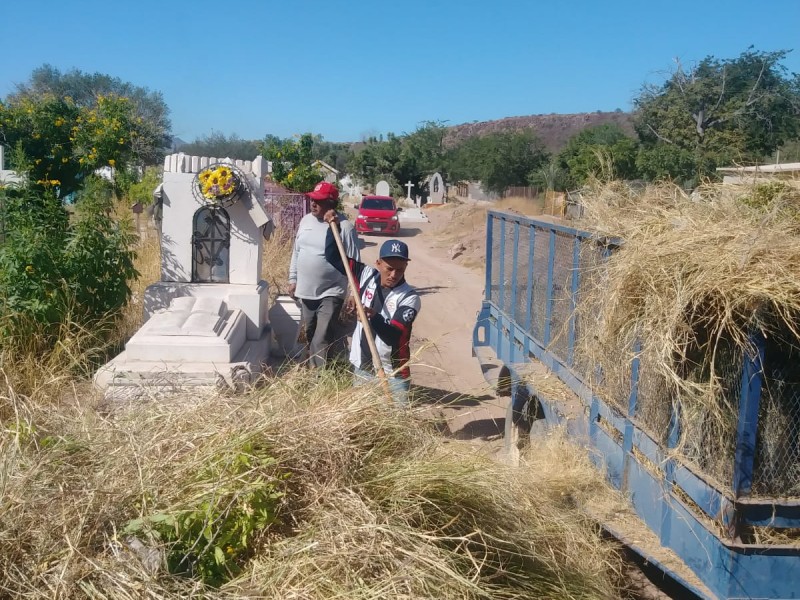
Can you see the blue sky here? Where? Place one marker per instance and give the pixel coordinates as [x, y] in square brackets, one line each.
[355, 68]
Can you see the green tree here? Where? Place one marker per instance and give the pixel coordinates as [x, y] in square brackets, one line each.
[550, 176]
[84, 90]
[499, 160]
[142, 190]
[59, 143]
[222, 146]
[397, 159]
[292, 162]
[603, 151]
[335, 154]
[718, 112]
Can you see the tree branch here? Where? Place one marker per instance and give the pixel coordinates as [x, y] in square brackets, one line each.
[750, 99]
[659, 136]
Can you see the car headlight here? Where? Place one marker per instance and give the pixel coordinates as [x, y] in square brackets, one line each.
[360, 217]
[394, 217]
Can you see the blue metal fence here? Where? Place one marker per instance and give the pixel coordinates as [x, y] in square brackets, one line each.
[702, 492]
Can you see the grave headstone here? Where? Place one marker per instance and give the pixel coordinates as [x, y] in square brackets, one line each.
[207, 319]
[383, 189]
[436, 189]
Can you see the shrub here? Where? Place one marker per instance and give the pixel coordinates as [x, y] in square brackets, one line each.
[54, 269]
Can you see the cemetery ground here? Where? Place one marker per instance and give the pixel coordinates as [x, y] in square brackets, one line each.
[301, 488]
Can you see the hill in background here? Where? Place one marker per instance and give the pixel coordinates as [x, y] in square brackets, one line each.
[553, 129]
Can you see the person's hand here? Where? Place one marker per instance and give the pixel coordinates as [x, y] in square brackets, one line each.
[369, 312]
[350, 305]
[331, 217]
[291, 288]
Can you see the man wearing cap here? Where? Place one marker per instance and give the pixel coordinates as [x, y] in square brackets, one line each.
[391, 305]
[320, 287]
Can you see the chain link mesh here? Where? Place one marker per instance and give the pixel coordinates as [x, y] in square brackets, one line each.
[496, 275]
[776, 471]
[561, 301]
[286, 210]
[707, 417]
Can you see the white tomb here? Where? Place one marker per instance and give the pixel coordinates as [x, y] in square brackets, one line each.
[207, 320]
[436, 189]
[382, 188]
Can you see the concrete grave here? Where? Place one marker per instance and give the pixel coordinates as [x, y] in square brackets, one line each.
[436, 189]
[8, 177]
[382, 188]
[207, 319]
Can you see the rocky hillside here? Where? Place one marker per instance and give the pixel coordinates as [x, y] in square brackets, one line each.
[553, 129]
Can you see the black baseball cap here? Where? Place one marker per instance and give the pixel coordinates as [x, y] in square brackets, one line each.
[394, 249]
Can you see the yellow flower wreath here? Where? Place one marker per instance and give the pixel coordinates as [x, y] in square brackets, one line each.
[217, 182]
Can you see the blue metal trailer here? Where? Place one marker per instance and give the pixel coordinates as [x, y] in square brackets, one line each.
[707, 504]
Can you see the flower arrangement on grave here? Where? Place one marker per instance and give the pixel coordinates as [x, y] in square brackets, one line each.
[219, 184]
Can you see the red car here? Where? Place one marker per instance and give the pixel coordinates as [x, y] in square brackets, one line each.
[377, 214]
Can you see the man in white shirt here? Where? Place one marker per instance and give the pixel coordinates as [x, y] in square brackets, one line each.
[320, 287]
[391, 305]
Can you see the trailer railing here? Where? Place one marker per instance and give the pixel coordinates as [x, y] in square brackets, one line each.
[701, 491]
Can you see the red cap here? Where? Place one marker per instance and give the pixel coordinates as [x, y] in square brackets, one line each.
[324, 191]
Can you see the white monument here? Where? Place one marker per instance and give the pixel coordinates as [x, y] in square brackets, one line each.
[352, 188]
[7, 177]
[382, 188]
[436, 189]
[207, 320]
[408, 186]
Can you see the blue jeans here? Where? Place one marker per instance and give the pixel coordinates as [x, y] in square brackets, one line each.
[397, 385]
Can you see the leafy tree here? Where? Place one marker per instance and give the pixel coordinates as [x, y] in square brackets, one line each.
[142, 190]
[292, 162]
[85, 89]
[397, 159]
[59, 143]
[222, 146]
[499, 160]
[335, 154]
[718, 112]
[551, 176]
[604, 151]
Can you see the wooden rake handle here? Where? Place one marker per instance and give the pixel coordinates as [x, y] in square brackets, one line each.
[362, 315]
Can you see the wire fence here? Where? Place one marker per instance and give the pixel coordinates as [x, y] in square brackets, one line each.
[538, 273]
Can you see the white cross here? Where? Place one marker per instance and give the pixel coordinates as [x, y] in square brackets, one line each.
[409, 185]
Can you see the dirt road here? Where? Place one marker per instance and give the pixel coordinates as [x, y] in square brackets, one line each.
[445, 376]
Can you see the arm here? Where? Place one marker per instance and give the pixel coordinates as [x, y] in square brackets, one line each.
[350, 240]
[391, 330]
[293, 268]
[332, 252]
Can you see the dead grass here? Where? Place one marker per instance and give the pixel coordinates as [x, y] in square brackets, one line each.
[372, 503]
[373, 506]
[275, 262]
[694, 280]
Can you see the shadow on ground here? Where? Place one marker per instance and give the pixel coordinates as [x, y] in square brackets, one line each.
[409, 231]
[422, 291]
[484, 429]
[427, 395]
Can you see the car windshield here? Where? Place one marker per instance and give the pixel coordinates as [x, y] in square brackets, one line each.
[377, 204]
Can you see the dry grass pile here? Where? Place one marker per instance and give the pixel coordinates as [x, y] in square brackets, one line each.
[275, 262]
[695, 278]
[306, 488]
